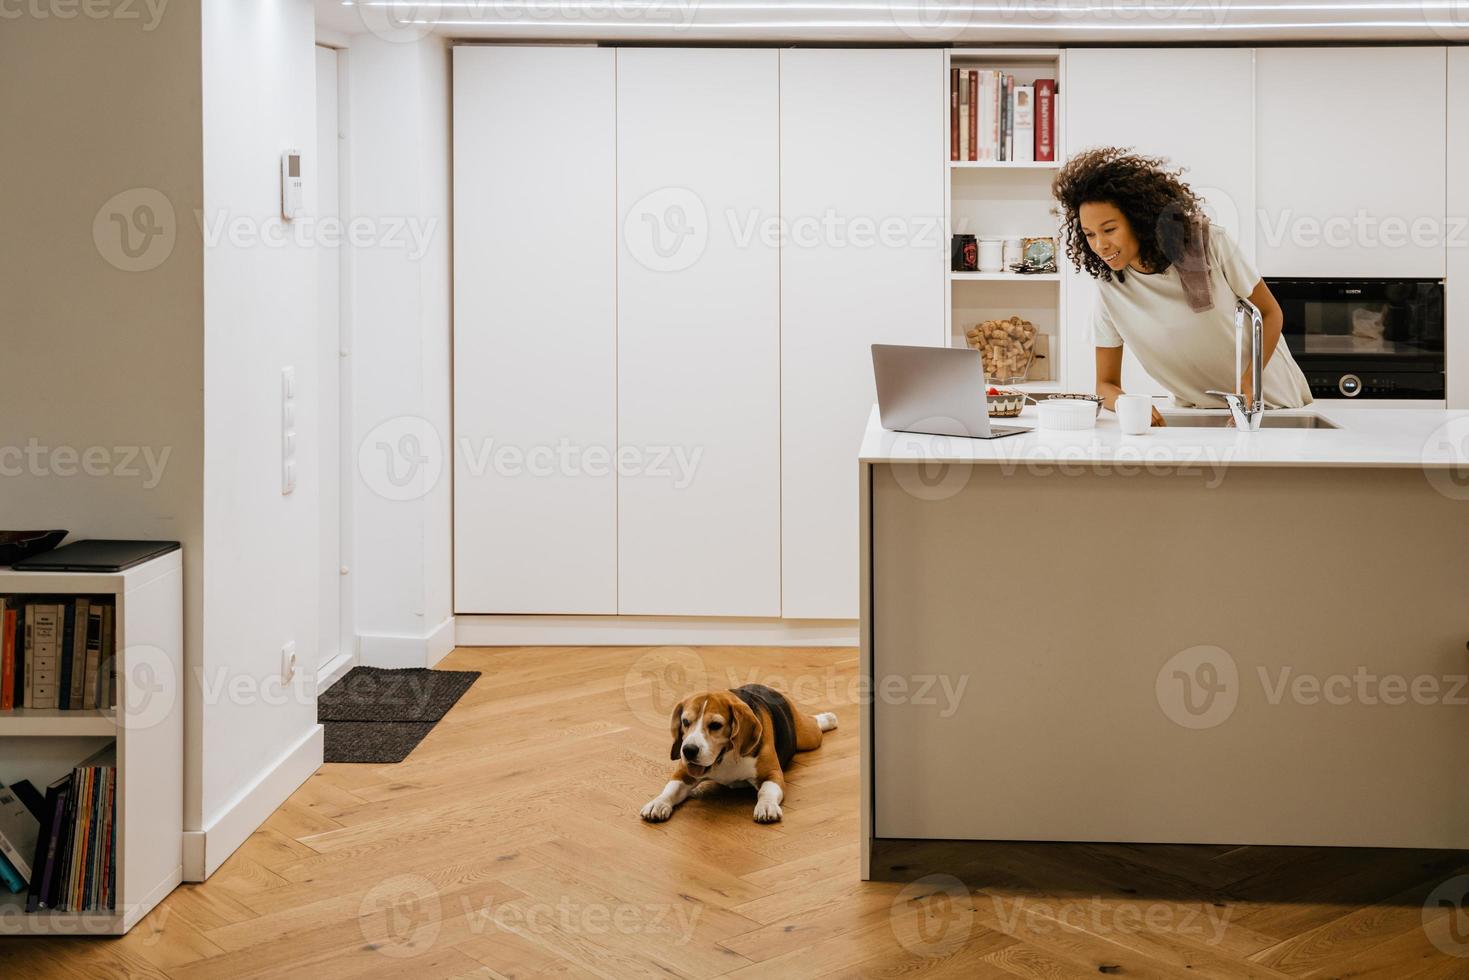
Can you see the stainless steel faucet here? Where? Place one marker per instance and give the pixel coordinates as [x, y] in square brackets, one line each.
[1248, 417]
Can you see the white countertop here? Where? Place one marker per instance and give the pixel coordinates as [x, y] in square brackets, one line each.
[1367, 437]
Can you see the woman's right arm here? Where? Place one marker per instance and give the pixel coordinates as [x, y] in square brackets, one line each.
[1109, 375]
[1109, 380]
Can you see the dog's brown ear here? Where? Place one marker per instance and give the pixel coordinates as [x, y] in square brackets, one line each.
[677, 731]
[745, 727]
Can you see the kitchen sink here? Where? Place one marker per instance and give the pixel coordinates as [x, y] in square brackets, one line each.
[1272, 420]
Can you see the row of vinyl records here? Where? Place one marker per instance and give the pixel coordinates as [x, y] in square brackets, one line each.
[59, 849]
[992, 117]
[57, 652]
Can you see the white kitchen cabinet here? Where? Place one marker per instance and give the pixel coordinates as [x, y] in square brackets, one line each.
[862, 199]
[1351, 161]
[698, 332]
[535, 358]
[1197, 110]
[1456, 256]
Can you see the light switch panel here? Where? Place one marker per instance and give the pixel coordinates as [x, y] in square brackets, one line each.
[288, 430]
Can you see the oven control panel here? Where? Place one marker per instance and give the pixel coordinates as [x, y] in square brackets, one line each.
[1376, 384]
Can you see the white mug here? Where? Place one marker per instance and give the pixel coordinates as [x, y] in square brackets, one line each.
[1134, 413]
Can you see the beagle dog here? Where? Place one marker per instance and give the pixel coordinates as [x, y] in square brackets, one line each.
[734, 738]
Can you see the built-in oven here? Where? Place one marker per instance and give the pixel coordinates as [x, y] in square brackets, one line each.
[1366, 338]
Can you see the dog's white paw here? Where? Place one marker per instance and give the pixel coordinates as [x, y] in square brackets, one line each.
[826, 721]
[767, 812]
[656, 811]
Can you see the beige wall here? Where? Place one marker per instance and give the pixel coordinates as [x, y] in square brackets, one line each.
[94, 357]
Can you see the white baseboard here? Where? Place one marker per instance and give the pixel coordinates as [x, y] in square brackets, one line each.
[382, 650]
[495, 631]
[205, 850]
[334, 670]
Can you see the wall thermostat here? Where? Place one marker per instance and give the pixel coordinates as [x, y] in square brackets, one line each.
[291, 183]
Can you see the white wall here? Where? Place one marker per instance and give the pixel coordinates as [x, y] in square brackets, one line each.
[258, 738]
[397, 185]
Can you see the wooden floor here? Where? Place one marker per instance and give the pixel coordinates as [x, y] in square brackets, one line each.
[508, 845]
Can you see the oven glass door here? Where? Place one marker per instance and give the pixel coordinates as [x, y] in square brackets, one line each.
[1385, 322]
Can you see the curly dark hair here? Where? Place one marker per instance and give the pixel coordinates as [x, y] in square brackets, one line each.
[1161, 209]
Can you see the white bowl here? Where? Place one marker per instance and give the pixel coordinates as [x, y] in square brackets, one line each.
[1067, 414]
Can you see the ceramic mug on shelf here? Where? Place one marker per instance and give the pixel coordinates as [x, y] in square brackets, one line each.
[991, 255]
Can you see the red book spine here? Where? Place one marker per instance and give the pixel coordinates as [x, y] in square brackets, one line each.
[973, 114]
[7, 661]
[1045, 119]
[953, 113]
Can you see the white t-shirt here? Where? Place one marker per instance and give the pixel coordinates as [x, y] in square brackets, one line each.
[1187, 352]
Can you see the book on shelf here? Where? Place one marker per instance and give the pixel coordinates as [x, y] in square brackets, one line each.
[75, 858]
[18, 832]
[971, 115]
[1022, 120]
[57, 652]
[994, 117]
[7, 655]
[967, 101]
[953, 114]
[1045, 119]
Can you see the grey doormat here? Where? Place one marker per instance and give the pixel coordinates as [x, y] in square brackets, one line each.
[377, 715]
[372, 741]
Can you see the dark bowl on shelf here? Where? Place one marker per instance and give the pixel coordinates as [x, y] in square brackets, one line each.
[15, 545]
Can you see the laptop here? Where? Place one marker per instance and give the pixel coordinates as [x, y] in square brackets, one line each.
[934, 390]
[95, 556]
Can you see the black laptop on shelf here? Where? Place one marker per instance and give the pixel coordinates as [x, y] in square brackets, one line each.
[95, 556]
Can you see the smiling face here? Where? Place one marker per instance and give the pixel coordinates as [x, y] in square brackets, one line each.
[1108, 234]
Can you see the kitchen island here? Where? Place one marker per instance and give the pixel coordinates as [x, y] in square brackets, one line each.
[1197, 635]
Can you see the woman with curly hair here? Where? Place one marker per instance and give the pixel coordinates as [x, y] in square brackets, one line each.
[1167, 282]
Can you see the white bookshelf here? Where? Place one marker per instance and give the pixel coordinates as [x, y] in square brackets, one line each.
[146, 726]
[1008, 199]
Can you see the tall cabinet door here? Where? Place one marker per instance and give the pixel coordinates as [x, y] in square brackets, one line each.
[698, 320]
[1198, 112]
[862, 169]
[1456, 258]
[535, 493]
[1335, 201]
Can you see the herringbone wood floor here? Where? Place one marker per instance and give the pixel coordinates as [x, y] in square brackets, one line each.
[508, 845]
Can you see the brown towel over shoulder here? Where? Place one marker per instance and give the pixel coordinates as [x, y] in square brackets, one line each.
[1193, 269]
